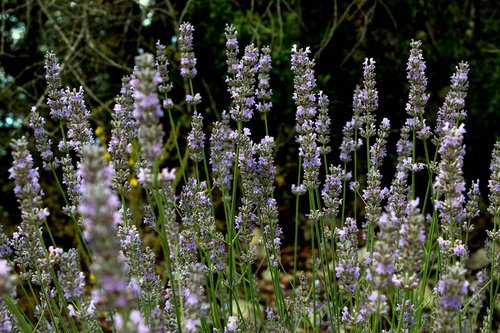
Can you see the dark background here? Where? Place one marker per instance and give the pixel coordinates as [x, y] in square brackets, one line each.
[96, 42]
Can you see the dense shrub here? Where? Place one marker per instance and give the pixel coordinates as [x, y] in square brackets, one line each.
[381, 256]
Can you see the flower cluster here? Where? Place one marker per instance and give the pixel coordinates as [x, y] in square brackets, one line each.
[55, 100]
[449, 181]
[99, 209]
[418, 98]
[222, 152]
[452, 111]
[147, 110]
[241, 84]
[264, 91]
[123, 131]
[187, 270]
[188, 59]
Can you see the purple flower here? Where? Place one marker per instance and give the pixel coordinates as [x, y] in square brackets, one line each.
[70, 277]
[241, 85]
[450, 289]
[79, 130]
[161, 65]
[195, 306]
[322, 123]
[232, 49]
[331, 191]
[263, 91]
[449, 182]
[494, 182]
[43, 143]
[304, 83]
[347, 269]
[452, 111]
[27, 188]
[8, 285]
[188, 60]
[418, 82]
[123, 131]
[30, 254]
[98, 207]
[196, 138]
[367, 99]
[55, 94]
[147, 110]
[222, 152]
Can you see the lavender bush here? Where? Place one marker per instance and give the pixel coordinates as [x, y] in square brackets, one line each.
[382, 259]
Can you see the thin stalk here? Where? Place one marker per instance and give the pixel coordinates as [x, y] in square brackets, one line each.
[297, 222]
[179, 156]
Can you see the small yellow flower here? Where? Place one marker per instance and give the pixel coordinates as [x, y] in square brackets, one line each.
[134, 182]
[99, 131]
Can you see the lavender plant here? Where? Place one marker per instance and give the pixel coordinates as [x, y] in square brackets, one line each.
[380, 259]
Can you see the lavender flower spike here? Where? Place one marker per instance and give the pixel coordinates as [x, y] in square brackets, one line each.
[494, 182]
[418, 83]
[449, 291]
[305, 100]
[147, 108]
[323, 123]
[79, 130]
[222, 152]
[43, 142]
[196, 138]
[188, 60]
[450, 182]
[264, 92]
[241, 85]
[27, 188]
[368, 99]
[55, 94]
[304, 83]
[232, 49]
[162, 67]
[98, 207]
[123, 131]
[452, 110]
[30, 254]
